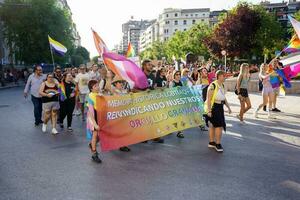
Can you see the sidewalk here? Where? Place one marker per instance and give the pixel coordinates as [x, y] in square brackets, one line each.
[12, 85]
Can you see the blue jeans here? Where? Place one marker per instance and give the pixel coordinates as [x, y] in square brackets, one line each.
[37, 108]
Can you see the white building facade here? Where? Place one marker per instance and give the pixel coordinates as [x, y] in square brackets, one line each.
[170, 21]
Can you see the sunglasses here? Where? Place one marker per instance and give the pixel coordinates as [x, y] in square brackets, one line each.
[177, 74]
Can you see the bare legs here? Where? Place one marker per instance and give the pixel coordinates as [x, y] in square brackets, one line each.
[245, 106]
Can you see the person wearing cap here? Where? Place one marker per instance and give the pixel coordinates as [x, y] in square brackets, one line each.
[215, 111]
[118, 89]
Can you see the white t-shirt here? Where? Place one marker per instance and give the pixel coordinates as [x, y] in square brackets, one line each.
[82, 80]
[94, 75]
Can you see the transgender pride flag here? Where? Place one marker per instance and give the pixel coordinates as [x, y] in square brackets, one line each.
[57, 47]
[126, 69]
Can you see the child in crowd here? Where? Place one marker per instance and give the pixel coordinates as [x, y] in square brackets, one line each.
[92, 122]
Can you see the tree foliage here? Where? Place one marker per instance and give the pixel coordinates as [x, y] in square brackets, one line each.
[27, 24]
[236, 33]
[247, 31]
[181, 43]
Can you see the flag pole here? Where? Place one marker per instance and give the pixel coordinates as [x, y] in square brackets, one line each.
[51, 53]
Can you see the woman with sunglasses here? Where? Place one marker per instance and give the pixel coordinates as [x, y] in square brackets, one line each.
[177, 83]
[50, 94]
[161, 80]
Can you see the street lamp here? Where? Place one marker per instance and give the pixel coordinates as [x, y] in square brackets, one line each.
[224, 53]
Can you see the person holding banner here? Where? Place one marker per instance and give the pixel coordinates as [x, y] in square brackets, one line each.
[204, 82]
[267, 92]
[215, 111]
[92, 122]
[147, 68]
[106, 82]
[177, 83]
[118, 89]
[161, 80]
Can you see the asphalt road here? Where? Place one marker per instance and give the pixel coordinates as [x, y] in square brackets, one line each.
[261, 160]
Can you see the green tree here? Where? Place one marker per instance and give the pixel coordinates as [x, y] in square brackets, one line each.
[156, 51]
[77, 60]
[83, 52]
[176, 45]
[95, 59]
[26, 29]
[195, 39]
[248, 30]
[269, 36]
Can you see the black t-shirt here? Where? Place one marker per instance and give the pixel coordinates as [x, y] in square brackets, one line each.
[151, 81]
[70, 88]
[161, 82]
[175, 84]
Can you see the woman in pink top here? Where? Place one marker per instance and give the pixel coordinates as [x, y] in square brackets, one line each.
[267, 92]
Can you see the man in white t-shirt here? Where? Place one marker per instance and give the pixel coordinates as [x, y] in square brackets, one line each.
[94, 74]
[82, 80]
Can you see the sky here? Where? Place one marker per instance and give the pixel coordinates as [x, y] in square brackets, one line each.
[107, 16]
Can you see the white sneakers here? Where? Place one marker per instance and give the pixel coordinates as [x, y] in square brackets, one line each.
[54, 131]
[44, 128]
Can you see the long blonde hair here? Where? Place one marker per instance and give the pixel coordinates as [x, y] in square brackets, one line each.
[243, 70]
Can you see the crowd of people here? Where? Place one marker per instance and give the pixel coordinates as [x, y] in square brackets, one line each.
[73, 91]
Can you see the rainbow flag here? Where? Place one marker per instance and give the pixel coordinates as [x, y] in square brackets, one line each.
[275, 82]
[130, 51]
[126, 69]
[62, 91]
[99, 43]
[285, 78]
[57, 47]
[293, 46]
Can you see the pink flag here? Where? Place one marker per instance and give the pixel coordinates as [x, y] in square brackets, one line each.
[295, 69]
[99, 43]
[126, 69]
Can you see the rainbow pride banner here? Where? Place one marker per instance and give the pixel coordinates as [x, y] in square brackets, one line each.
[137, 117]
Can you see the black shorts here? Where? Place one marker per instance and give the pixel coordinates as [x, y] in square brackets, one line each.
[244, 92]
[217, 118]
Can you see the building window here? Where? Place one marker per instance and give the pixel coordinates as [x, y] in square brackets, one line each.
[175, 30]
[166, 31]
[167, 15]
[196, 15]
[186, 15]
[175, 22]
[167, 22]
[184, 22]
[176, 14]
[184, 29]
[191, 15]
[202, 20]
[166, 38]
[194, 21]
[203, 15]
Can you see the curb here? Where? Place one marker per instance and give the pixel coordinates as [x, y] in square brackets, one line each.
[10, 86]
